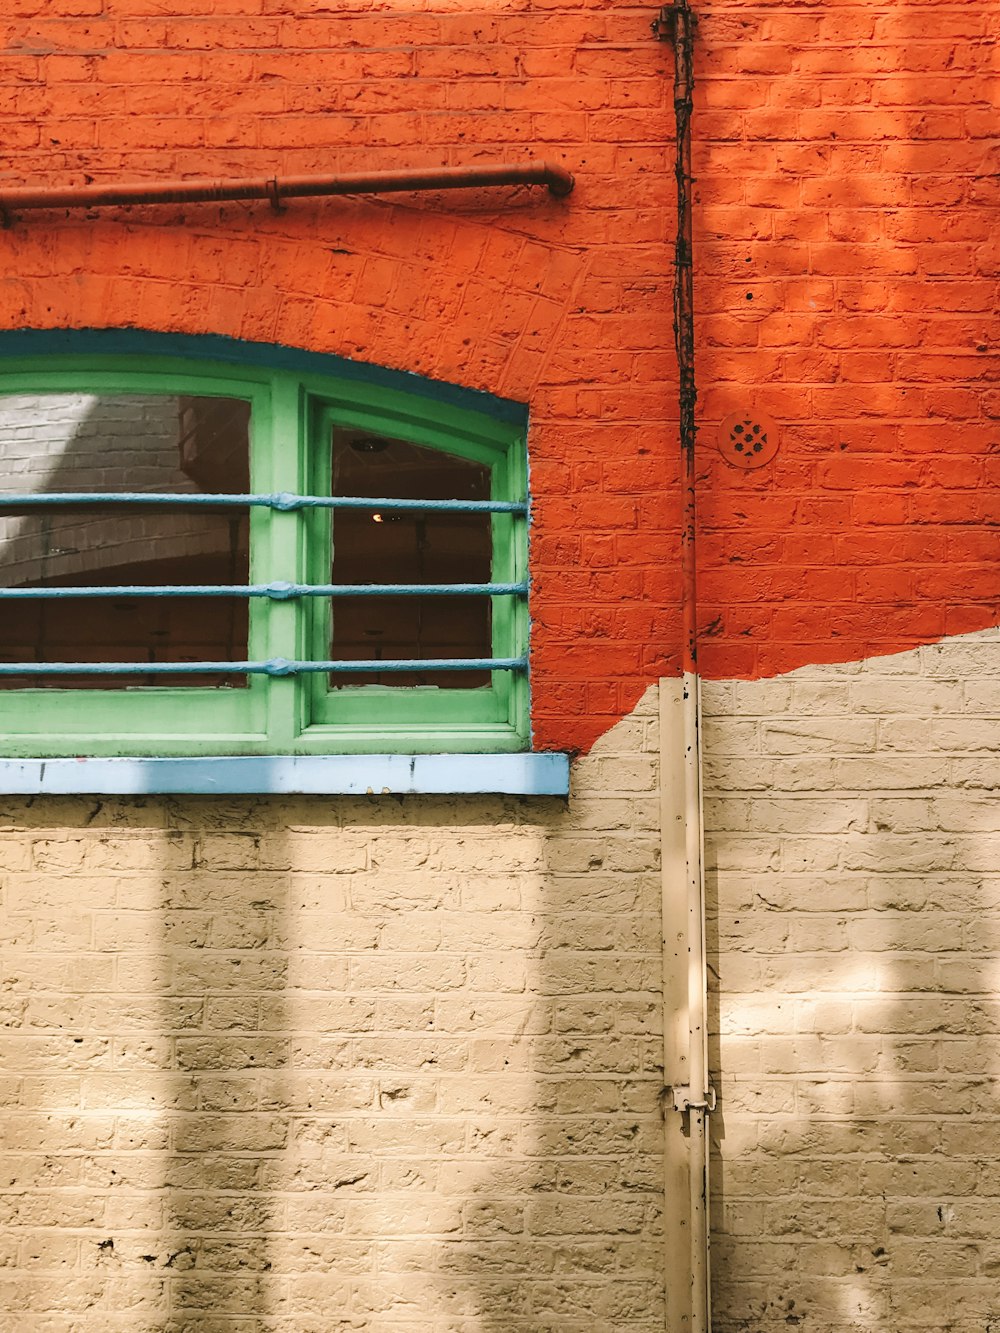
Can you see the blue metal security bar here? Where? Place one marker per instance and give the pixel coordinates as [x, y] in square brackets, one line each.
[278, 590]
[283, 501]
[275, 666]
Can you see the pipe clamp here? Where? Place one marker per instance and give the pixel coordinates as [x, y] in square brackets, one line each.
[684, 1100]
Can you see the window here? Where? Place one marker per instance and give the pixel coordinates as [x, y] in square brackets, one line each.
[227, 560]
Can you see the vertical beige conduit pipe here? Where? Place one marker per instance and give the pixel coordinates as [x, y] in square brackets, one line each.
[688, 1100]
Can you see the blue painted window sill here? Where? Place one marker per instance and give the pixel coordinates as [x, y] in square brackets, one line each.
[349, 775]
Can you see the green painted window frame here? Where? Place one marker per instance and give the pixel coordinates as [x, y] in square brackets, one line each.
[291, 416]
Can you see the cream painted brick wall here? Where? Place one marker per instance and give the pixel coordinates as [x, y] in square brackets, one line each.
[307, 1065]
[854, 885]
[297, 1066]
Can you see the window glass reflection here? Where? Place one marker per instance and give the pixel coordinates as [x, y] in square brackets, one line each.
[75, 442]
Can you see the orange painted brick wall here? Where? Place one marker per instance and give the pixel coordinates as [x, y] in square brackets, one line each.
[847, 284]
[846, 280]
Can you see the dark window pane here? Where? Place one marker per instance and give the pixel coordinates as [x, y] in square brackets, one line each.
[386, 546]
[124, 629]
[123, 443]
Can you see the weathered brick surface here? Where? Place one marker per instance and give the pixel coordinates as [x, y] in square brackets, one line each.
[846, 280]
[561, 304]
[855, 929]
[304, 1065]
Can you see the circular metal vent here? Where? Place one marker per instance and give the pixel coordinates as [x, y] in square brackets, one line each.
[748, 439]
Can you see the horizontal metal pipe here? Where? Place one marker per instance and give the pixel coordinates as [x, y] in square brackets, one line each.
[279, 591]
[283, 501]
[205, 190]
[276, 666]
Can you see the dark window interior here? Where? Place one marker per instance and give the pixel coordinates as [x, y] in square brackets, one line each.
[409, 547]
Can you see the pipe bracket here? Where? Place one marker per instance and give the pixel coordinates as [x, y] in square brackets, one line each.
[685, 1100]
[665, 24]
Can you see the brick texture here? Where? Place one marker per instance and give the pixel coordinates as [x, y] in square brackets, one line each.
[298, 1066]
[846, 280]
[294, 1066]
[855, 934]
[562, 304]
[847, 286]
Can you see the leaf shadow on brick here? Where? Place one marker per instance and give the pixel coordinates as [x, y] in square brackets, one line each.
[856, 931]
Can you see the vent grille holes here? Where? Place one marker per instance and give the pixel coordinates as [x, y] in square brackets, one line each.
[748, 440]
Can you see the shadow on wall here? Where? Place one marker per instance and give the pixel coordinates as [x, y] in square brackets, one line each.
[855, 898]
[152, 1041]
[852, 823]
[295, 1065]
[299, 1065]
[565, 1223]
[225, 932]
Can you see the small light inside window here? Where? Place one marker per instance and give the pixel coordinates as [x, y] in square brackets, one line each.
[376, 518]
